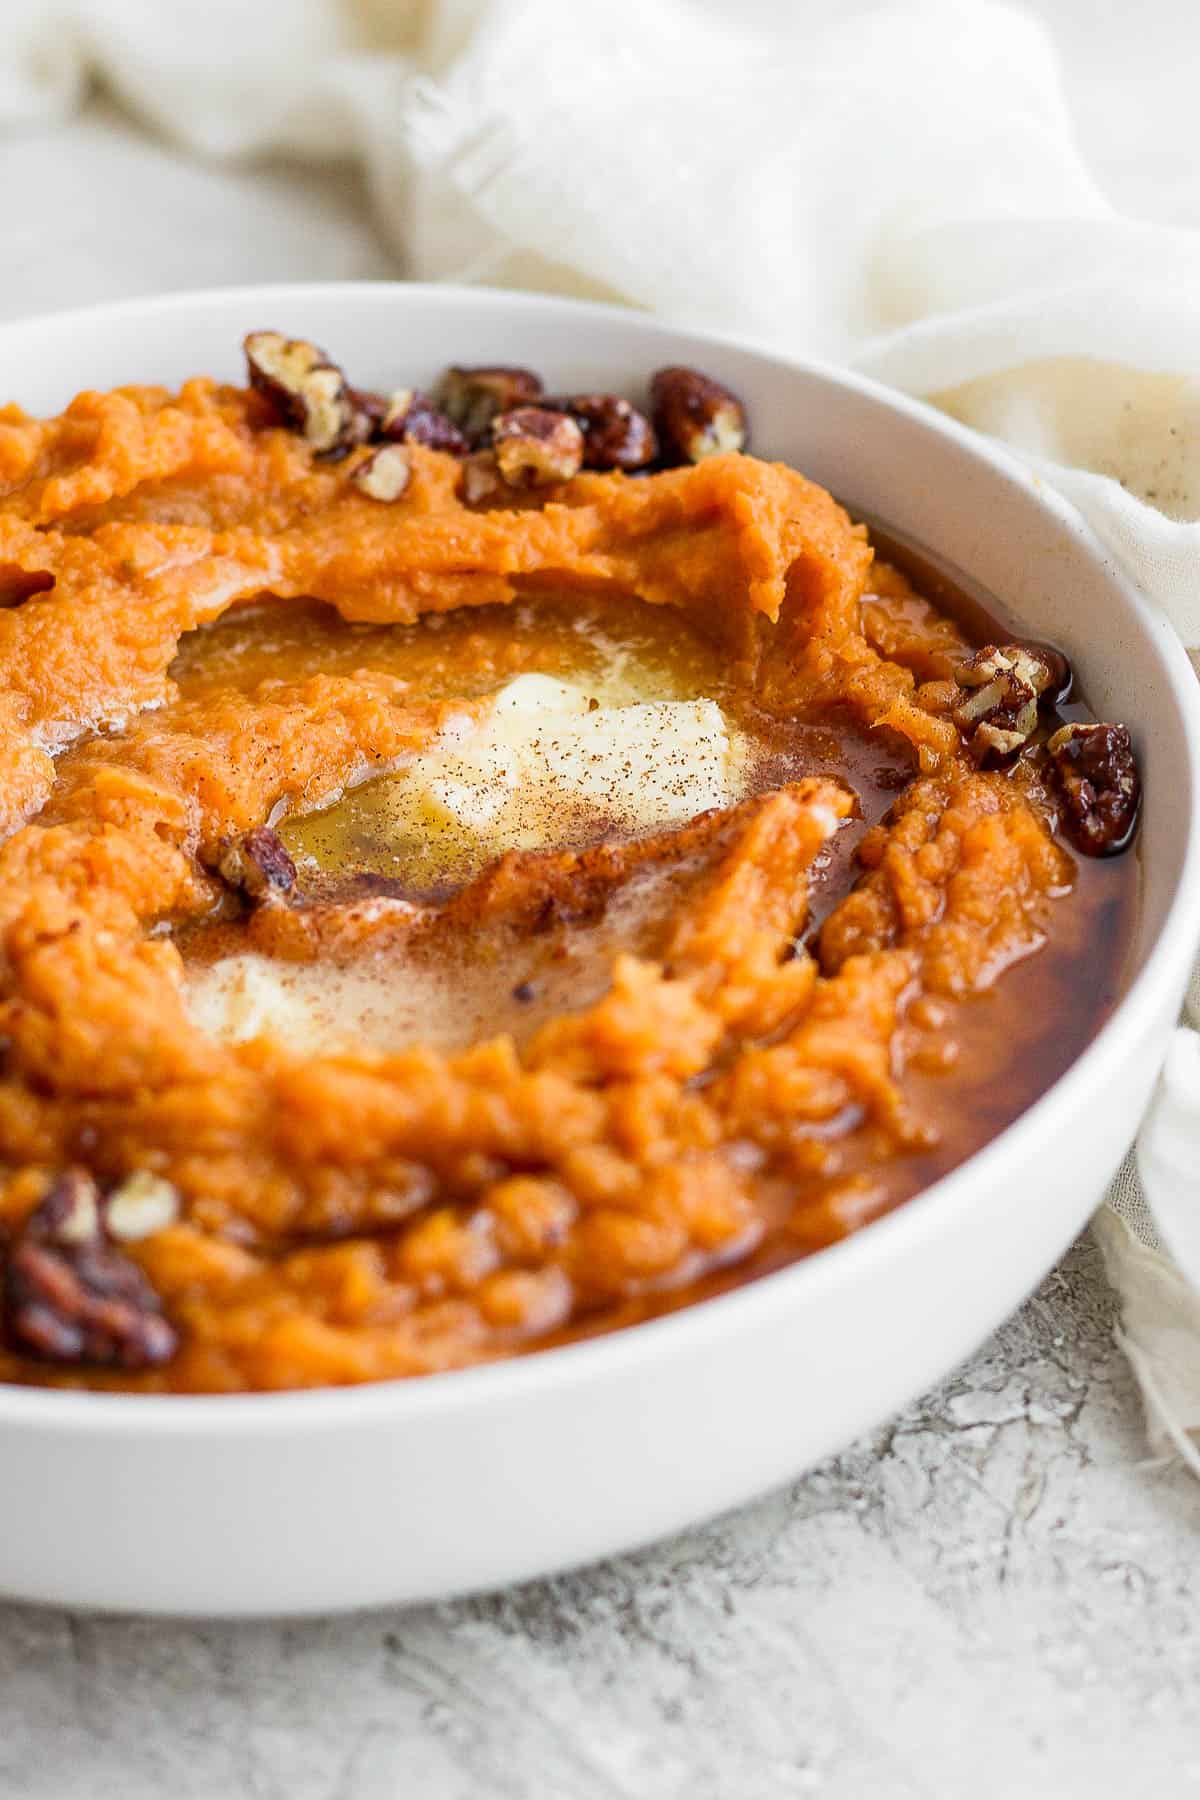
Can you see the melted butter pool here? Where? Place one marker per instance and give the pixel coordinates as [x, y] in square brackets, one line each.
[542, 764]
[565, 723]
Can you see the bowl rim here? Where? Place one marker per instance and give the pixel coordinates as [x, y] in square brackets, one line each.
[513, 1379]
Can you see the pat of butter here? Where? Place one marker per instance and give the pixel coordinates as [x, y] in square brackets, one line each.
[315, 1007]
[545, 761]
[540, 766]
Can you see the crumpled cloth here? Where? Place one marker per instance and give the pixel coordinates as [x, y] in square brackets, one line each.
[894, 186]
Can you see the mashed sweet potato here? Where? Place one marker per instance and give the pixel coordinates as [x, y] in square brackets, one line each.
[787, 1039]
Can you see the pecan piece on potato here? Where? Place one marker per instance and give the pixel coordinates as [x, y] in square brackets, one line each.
[473, 397]
[1005, 684]
[1096, 774]
[536, 448]
[370, 408]
[615, 434]
[695, 416]
[69, 1210]
[411, 417]
[481, 480]
[307, 390]
[68, 1296]
[256, 864]
[383, 475]
[1055, 677]
[140, 1205]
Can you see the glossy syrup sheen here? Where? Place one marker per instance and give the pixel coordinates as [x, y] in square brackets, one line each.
[622, 653]
[1007, 1045]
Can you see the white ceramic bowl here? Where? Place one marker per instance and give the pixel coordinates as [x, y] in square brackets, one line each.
[404, 1491]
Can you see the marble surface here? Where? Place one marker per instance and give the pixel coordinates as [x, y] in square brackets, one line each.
[993, 1596]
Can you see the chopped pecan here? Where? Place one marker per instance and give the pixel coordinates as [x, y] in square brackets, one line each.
[371, 409]
[615, 434]
[257, 864]
[69, 1211]
[695, 416]
[534, 448]
[1059, 677]
[481, 480]
[410, 417]
[383, 475]
[472, 397]
[1006, 681]
[1097, 777]
[140, 1205]
[69, 1297]
[307, 390]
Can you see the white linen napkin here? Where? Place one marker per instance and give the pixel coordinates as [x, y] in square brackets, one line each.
[896, 186]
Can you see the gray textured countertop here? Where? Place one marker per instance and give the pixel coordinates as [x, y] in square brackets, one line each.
[993, 1596]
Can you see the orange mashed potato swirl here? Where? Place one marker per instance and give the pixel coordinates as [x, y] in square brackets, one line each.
[355, 1216]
